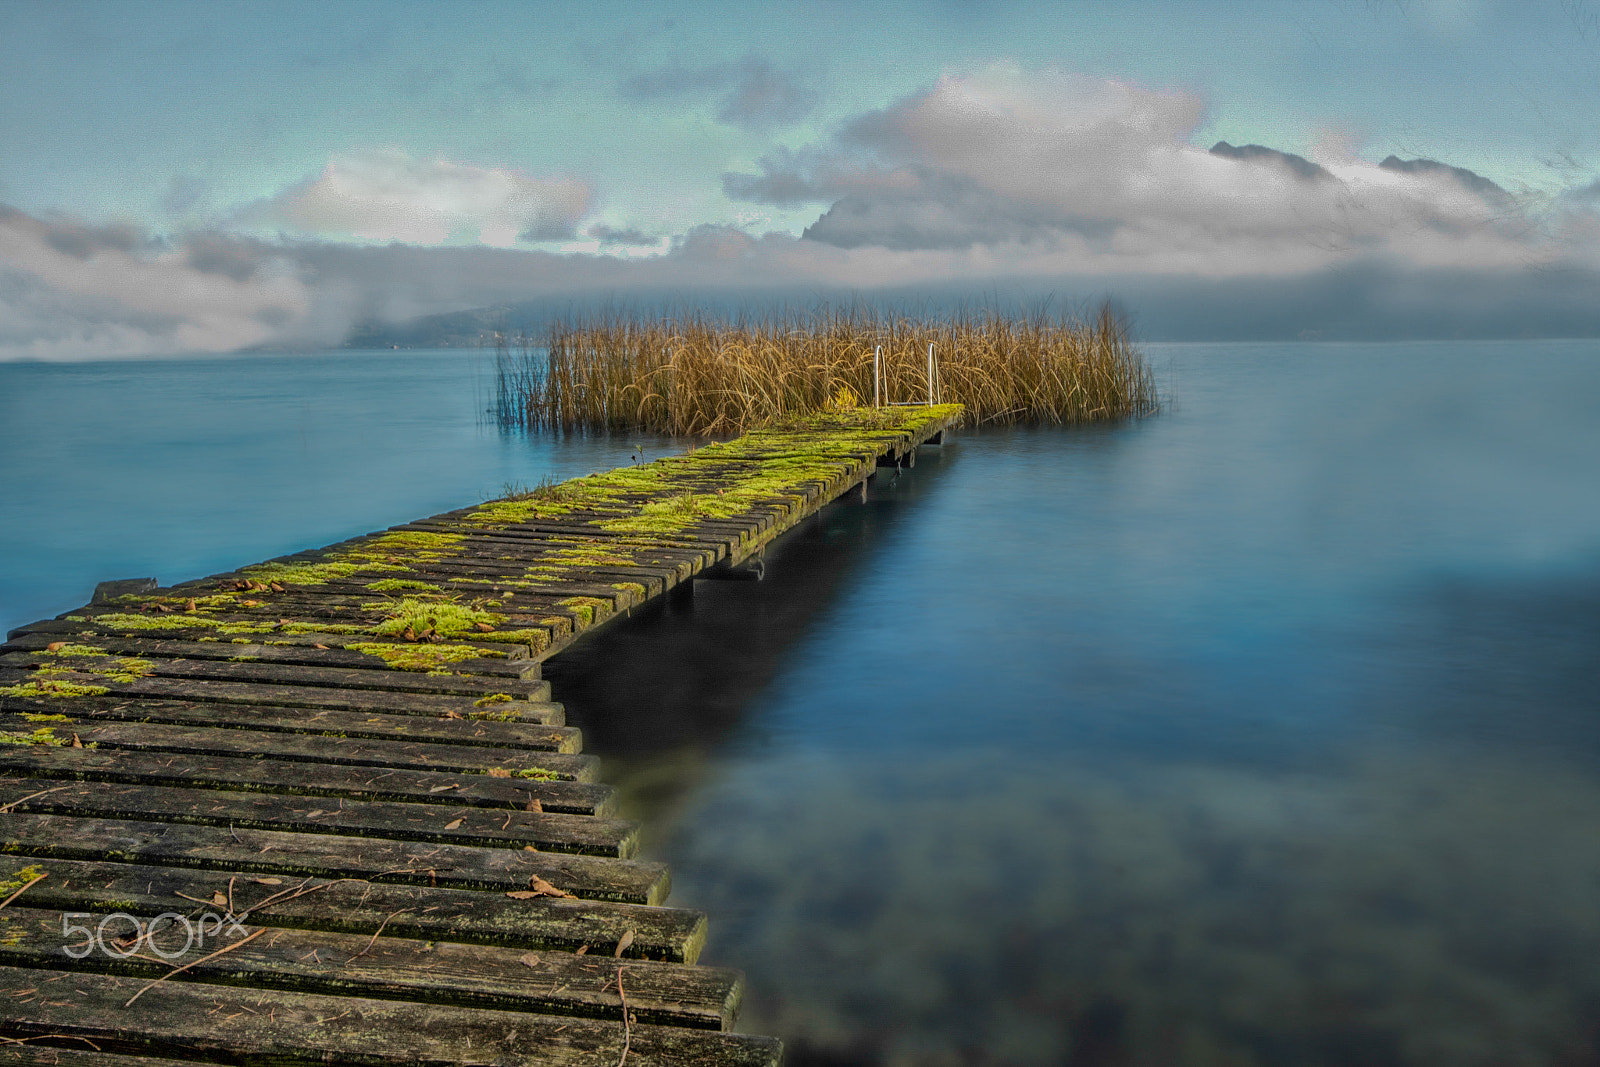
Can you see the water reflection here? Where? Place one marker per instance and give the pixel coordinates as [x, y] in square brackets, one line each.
[660, 694]
[986, 909]
[1262, 733]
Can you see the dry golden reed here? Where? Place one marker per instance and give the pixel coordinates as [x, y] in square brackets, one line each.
[697, 374]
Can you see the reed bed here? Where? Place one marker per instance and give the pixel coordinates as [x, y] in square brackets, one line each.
[697, 374]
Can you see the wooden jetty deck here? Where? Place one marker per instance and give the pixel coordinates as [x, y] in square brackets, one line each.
[323, 809]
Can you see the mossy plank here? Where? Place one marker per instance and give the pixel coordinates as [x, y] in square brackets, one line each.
[283, 852]
[582, 526]
[527, 579]
[377, 678]
[533, 612]
[459, 825]
[388, 967]
[84, 623]
[311, 748]
[428, 913]
[293, 778]
[522, 605]
[524, 730]
[300, 653]
[272, 1026]
[291, 696]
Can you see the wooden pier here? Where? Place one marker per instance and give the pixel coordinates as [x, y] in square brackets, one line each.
[324, 810]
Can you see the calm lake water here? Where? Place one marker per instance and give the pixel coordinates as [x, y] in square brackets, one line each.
[1266, 731]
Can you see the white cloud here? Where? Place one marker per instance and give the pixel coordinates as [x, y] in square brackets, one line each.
[1101, 175]
[70, 291]
[1002, 180]
[388, 196]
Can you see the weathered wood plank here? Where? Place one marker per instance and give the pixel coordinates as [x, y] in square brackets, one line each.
[293, 778]
[459, 825]
[482, 727]
[324, 749]
[242, 669]
[387, 967]
[55, 1056]
[299, 651]
[293, 696]
[355, 906]
[303, 633]
[281, 852]
[272, 1026]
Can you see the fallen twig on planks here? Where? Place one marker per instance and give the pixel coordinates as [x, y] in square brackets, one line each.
[179, 970]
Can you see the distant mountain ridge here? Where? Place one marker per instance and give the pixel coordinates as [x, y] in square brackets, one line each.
[474, 328]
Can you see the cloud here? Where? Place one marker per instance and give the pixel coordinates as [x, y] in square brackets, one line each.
[754, 95]
[624, 236]
[184, 194]
[388, 196]
[788, 178]
[998, 182]
[1102, 176]
[72, 290]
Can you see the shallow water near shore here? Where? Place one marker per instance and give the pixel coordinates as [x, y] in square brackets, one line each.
[1261, 732]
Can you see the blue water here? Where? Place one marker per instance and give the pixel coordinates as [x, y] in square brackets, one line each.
[180, 468]
[1265, 731]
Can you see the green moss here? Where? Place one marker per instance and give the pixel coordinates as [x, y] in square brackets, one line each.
[52, 689]
[75, 650]
[538, 640]
[495, 716]
[421, 657]
[541, 774]
[185, 621]
[17, 881]
[320, 573]
[44, 735]
[447, 618]
[523, 503]
[493, 698]
[587, 608]
[129, 668]
[395, 585]
[45, 718]
[418, 545]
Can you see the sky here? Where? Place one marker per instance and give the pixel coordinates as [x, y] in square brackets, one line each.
[200, 177]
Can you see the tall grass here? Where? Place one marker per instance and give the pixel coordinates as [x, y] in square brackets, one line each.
[696, 374]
